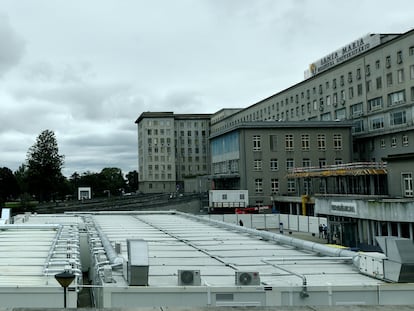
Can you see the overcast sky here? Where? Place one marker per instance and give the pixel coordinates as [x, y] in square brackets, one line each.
[86, 69]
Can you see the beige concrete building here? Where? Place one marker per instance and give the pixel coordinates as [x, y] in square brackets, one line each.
[171, 148]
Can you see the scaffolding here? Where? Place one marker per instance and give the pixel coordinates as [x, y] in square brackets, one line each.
[347, 169]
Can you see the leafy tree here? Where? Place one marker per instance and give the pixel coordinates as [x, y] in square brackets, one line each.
[132, 180]
[44, 167]
[9, 187]
[113, 180]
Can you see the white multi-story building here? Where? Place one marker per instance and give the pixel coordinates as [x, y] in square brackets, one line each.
[171, 148]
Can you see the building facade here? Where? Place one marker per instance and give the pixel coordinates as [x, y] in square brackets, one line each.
[257, 156]
[370, 82]
[171, 148]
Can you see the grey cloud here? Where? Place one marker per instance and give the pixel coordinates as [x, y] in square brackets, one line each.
[12, 46]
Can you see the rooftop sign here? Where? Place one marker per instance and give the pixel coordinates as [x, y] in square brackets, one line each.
[348, 51]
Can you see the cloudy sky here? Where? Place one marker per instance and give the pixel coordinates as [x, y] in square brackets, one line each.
[86, 69]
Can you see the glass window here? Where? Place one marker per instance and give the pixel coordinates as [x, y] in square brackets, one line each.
[322, 162]
[379, 82]
[290, 163]
[405, 140]
[291, 185]
[256, 143]
[396, 98]
[358, 126]
[258, 185]
[398, 118]
[274, 184]
[412, 72]
[273, 142]
[375, 103]
[388, 61]
[289, 142]
[337, 141]
[400, 75]
[357, 109]
[257, 165]
[394, 142]
[321, 142]
[407, 181]
[340, 114]
[389, 79]
[326, 116]
[305, 142]
[306, 162]
[377, 123]
[399, 57]
[274, 166]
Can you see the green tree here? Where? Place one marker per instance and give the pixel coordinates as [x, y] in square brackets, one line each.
[9, 188]
[113, 180]
[44, 167]
[132, 180]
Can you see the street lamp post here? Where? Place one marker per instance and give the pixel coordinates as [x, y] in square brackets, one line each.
[64, 279]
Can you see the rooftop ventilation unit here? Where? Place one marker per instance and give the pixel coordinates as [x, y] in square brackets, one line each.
[137, 266]
[189, 277]
[247, 278]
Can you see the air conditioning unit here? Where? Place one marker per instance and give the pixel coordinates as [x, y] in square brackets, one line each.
[189, 278]
[247, 278]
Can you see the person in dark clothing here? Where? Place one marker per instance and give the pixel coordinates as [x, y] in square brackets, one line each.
[241, 223]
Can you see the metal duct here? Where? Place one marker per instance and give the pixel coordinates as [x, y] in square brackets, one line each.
[114, 258]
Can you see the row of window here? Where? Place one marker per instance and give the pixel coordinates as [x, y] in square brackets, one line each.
[290, 163]
[274, 185]
[266, 112]
[305, 142]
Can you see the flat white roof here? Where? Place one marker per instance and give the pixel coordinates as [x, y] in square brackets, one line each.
[177, 242]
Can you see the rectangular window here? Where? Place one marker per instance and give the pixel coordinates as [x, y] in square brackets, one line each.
[290, 163]
[306, 162]
[337, 141]
[405, 140]
[256, 143]
[291, 185]
[305, 142]
[368, 85]
[389, 79]
[388, 61]
[377, 123]
[377, 64]
[326, 116]
[382, 143]
[411, 51]
[273, 142]
[398, 118]
[393, 142]
[379, 82]
[321, 142]
[351, 92]
[274, 184]
[289, 142]
[340, 114]
[359, 89]
[358, 74]
[412, 72]
[396, 98]
[375, 104]
[274, 166]
[257, 165]
[400, 75]
[322, 162]
[367, 70]
[357, 109]
[399, 57]
[407, 181]
[258, 182]
[328, 100]
[358, 126]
